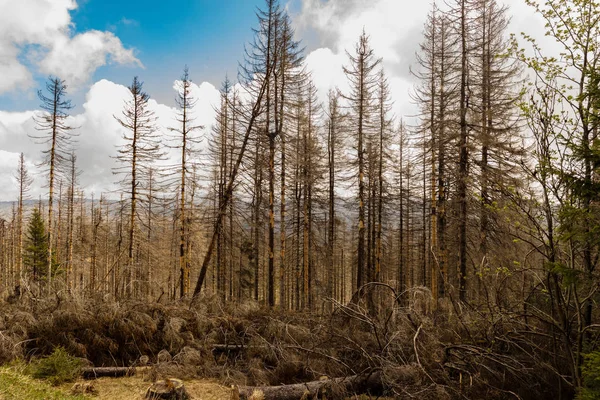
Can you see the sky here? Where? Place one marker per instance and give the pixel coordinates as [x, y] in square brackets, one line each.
[98, 46]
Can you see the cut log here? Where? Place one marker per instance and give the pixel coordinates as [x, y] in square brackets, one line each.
[169, 389]
[330, 387]
[111, 372]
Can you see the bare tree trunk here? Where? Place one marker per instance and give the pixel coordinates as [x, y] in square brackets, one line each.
[485, 134]
[70, 273]
[116, 275]
[229, 190]
[441, 167]
[305, 224]
[24, 184]
[463, 161]
[256, 224]
[331, 154]
[51, 190]
[298, 198]
[378, 247]
[360, 274]
[184, 267]
[145, 279]
[96, 221]
[282, 237]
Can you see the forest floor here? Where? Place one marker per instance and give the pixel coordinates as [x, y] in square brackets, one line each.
[134, 388]
[15, 385]
[412, 352]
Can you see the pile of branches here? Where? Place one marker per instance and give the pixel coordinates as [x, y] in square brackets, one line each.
[412, 350]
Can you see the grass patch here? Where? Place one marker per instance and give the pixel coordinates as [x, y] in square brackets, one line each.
[59, 367]
[15, 385]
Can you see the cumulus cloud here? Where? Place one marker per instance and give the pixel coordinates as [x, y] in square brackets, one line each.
[8, 162]
[395, 30]
[75, 59]
[392, 25]
[326, 68]
[99, 136]
[13, 74]
[41, 31]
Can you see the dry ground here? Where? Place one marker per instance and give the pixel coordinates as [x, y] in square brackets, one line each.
[133, 388]
[15, 385]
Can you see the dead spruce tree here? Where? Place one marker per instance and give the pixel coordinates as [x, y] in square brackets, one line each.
[362, 75]
[24, 181]
[57, 134]
[135, 157]
[255, 74]
[185, 139]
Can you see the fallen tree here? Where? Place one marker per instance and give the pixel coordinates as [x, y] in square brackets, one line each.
[110, 372]
[364, 383]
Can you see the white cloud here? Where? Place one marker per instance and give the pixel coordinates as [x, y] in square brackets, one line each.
[13, 74]
[393, 26]
[42, 32]
[75, 59]
[8, 166]
[99, 136]
[395, 29]
[326, 68]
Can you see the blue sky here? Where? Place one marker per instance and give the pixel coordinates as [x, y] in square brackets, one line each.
[98, 46]
[207, 35]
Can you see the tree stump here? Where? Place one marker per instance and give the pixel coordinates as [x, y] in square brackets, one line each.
[169, 389]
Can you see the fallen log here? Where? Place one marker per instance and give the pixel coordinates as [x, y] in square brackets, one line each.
[111, 372]
[330, 387]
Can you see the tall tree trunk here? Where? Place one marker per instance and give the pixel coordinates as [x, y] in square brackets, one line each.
[229, 190]
[485, 138]
[282, 237]
[70, 273]
[331, 153]
[463, 161]
[360, 274]
[441, 167]
[401, 273]
[132, 226]
[51, 184]
[184, 267]
[298, 198]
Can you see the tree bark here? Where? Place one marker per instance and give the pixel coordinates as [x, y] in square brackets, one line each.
[350, 385]
[169, 389]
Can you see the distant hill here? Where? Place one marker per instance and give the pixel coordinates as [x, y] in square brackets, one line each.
[6, 207]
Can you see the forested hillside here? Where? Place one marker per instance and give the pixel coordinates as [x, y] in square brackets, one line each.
[452, 253]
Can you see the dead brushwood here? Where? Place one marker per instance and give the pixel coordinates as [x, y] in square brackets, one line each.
[454, 352]
[9, 348]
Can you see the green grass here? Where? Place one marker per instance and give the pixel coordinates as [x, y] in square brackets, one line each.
[15, 385]
[59, 367]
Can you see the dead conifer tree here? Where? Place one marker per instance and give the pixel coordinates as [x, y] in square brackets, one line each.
[361, 74]
[57, 134]
[136, 155]
[24, 180]
[184, 139]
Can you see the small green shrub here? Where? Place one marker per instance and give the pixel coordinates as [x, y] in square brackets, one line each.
[16, 386]
[590, 372]
[57, 368]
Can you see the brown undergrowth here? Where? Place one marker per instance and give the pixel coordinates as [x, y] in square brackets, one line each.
[420, 353]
